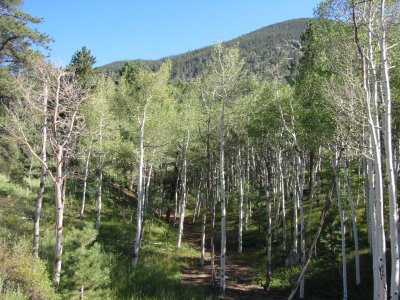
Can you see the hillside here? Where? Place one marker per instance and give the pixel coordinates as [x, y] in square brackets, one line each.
[260, 48]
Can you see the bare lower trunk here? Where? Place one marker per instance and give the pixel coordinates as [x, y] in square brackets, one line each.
[282, 197]
[240, 235]
[267, 186]
[222, 193]
[203, 239]
[38, 210]
[58, 186]
[184, 194]
[314, 244]
[354, 223]
[198, 202]
[139, 195]
[40, 192]
[295, 206]
[85, 177]
[390, 172]
[342, 216]
[302, 231]
[145, 201]
[176, 198]
[99, 196]
[99, 201]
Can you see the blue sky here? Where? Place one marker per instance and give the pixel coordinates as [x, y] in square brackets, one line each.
[152, 29]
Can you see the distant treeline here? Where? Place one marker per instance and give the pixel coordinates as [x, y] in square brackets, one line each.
[260, 49]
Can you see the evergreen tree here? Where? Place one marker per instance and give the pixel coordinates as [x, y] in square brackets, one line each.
[82, 64]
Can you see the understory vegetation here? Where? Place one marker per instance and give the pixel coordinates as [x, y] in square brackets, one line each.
[219, 174]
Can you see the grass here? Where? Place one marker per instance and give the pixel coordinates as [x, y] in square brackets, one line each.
[157, 275]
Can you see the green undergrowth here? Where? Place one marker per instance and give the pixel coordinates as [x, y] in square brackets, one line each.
[157, 275]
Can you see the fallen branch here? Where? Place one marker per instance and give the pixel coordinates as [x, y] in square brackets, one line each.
[314, 244]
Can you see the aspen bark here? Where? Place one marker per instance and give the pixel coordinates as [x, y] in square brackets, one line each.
[40, 192]
[335, 165]
[85, 177]
[240, 235]
[267, 187]
[99, 195]
[282, 197]
[203, 239]
[302, 231]
[183, 193]
[59, 217]
[354, 223]
[222, 193]
[139, 191]
[295, 206]
[390, 173]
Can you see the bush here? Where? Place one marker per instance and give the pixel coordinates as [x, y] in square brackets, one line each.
[22, 273]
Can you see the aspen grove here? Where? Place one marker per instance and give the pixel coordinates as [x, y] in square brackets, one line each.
[238, 181]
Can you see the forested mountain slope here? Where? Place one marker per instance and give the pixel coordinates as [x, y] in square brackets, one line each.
[260, 48]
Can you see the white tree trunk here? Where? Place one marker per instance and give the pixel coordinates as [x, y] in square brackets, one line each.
[99, 201]
[240, 237]
[40, 192]
[183, 193]
[294, 189]
[390, 174]
[198, 202]
[267, 187]
[374, 128]
[203, 239]
[222, 193]
[139, 193]
[302, 231]
[58, 184]
[354, 223]
[176, 198]
[99, 195]
[342, 215]
[282, 197]
[85, 177]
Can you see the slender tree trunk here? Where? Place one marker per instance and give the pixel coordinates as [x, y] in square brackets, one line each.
[99, 201]
[184, 193]
[354, 223]
[162, 190]
[145, 197]
[240, 237]
[335, 165]
[99, 195]
[176, 198]
[267, 187]
[222, 193]
[40, 192]
[390, 174]
[374, 125]
[314, 244]
[58, 186]
[302, 231]
[282, 196]
[198, 202]
[131, 178]
[203, 239]
[213, 201]
[294, 189]
[139, 193]
[85, 177]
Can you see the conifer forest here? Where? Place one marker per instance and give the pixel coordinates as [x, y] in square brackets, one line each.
[265, 167]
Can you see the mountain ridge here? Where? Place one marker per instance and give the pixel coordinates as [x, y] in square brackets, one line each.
[261, 48]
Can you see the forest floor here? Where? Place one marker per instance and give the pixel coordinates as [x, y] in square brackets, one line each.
[242, 281]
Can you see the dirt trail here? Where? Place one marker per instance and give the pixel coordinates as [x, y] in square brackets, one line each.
[240, 279]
